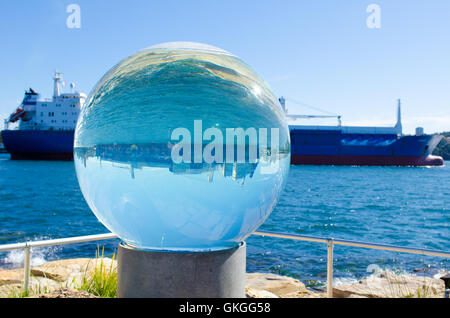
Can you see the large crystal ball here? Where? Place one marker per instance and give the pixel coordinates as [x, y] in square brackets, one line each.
[182, 147]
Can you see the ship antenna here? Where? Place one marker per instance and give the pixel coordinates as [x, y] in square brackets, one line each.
[398, 126]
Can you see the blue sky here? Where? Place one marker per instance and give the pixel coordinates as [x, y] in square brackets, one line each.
[319, 52]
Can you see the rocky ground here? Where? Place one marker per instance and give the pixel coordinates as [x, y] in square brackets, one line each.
[60, 279]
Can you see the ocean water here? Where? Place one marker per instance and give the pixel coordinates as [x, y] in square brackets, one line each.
[404, 206]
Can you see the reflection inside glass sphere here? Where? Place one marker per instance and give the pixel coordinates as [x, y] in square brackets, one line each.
[182, 147]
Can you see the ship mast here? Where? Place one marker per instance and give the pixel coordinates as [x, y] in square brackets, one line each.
[398, 125]
[57, 79]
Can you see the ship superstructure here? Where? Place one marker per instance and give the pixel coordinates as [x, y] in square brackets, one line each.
[58, 113]
[45, 126]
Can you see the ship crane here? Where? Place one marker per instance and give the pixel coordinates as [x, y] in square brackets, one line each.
[283, 106]
[315, 116]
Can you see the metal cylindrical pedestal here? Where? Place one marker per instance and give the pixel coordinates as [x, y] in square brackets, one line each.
[152, 274]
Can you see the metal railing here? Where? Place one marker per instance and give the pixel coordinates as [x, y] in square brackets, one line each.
[27, 246]
[332, 241]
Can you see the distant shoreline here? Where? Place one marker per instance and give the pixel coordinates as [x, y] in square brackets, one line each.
[443, 149]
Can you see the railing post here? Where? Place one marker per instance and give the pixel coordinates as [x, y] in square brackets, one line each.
[26, 268]
[330, 268]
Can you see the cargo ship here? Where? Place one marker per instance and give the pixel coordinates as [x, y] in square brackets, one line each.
[360, 146]
[45, 126]
[46, 132]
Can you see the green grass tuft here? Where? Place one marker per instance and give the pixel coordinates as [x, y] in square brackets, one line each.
[102, 281]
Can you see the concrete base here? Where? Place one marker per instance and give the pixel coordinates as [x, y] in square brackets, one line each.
[152, 274]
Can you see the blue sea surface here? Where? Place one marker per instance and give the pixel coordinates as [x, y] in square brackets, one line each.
[406, 206]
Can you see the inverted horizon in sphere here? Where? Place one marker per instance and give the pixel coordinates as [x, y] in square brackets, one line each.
[124, 140]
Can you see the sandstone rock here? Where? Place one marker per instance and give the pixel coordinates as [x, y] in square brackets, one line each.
[65, 293]
[387, 284]
[275, 284]
[8, 290]
[257, 293]
[40, 285]
[59, 278]
[11, 276]
[51, 276]
[70, 270]
[263, 285]
[62, 269]
[37, 285]
[307, 294]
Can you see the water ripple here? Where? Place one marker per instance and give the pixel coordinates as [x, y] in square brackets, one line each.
[400, 206]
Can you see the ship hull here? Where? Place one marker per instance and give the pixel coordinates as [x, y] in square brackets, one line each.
[38, 144]
[366, 160]
[332, 147]
[313, 147]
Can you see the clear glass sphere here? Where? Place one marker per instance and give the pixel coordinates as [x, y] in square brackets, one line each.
[182, 146]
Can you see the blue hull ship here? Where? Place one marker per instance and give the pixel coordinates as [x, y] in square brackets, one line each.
[335, 147]
[361, 146]
[46, 126]
[38, 144]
